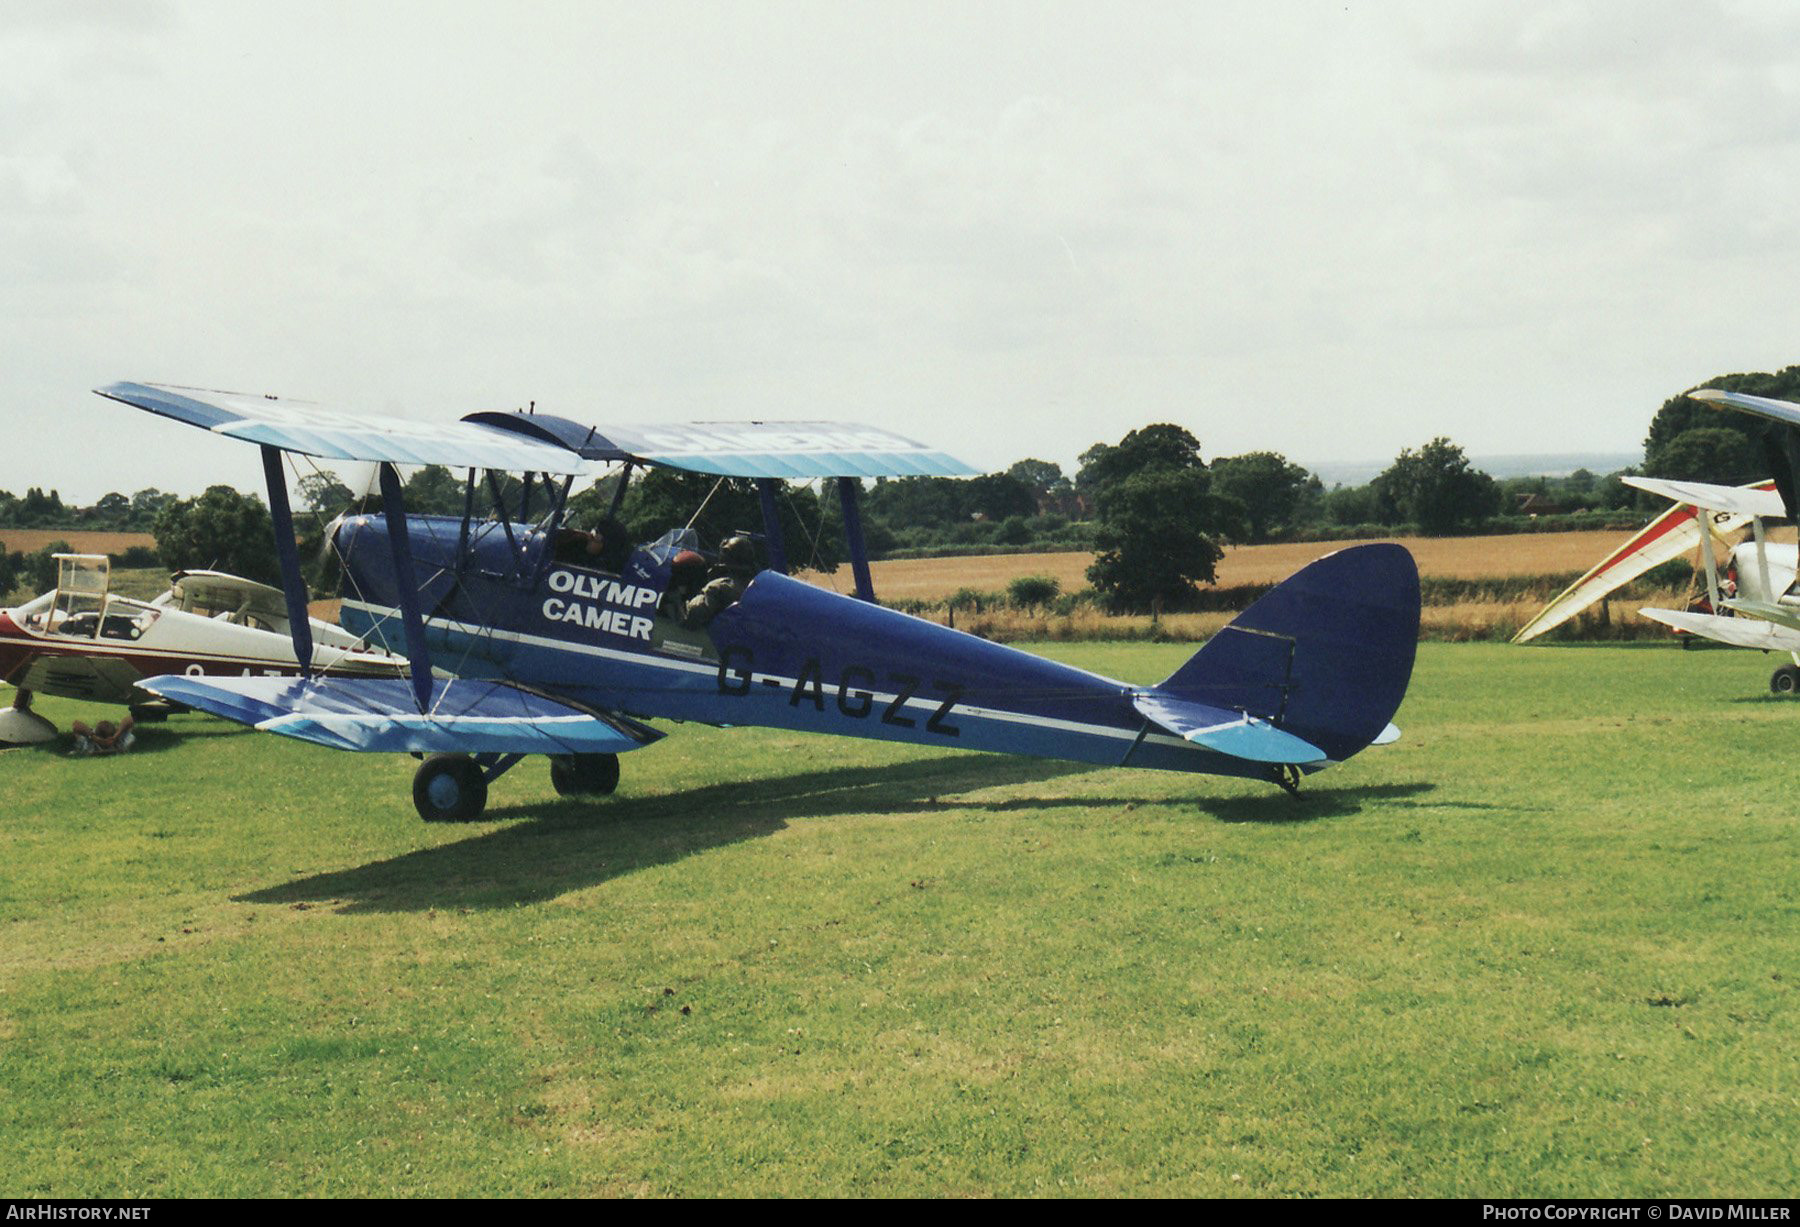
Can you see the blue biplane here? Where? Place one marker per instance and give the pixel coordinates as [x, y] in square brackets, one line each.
[521, 646]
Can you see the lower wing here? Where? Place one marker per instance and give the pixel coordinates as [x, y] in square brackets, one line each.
[465, 716]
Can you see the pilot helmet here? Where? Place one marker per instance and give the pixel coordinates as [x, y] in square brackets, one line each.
[736, 553]
[687, 567]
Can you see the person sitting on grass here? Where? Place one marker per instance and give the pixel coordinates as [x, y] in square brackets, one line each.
[104, 738]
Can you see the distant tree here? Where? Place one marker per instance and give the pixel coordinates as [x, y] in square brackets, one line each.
[995, 497]
[1160, 521]
[915, 502]
[322, 492]
[221, 530]
[1044, 477]
[1716, 454]
[40, 567]
[145, 505]
[1014, 530]
[1033, 591]
[1271, 489]
[435, 490]
[1161, 446]
[1152, 544]
[1350, 505]
[113, 510]
[40, 510]
[1436, 489]
[12, 570]
[1680, 414]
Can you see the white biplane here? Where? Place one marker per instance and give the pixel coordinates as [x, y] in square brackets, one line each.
[1752, 599]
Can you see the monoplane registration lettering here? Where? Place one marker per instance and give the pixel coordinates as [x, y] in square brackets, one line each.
[856, 690]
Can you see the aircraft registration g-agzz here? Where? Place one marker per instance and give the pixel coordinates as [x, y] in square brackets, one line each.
[526, 636]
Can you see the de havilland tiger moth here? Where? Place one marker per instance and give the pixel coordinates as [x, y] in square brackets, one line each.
[525, 638]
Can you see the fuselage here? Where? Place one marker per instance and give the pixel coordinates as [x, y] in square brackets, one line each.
[786, 655]
[97, 647]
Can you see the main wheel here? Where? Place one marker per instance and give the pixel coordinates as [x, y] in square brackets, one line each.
[449, 788]
[576, 775]
[1785, 680]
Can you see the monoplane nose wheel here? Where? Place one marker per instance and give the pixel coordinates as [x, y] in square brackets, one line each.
[449, 788]
[584, 775]
[1785, 680]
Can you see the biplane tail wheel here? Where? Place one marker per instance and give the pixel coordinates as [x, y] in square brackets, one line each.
[449, 788]
[1785, 680]
[584, 775]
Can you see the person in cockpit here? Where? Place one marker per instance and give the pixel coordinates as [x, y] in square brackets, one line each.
[725, 583]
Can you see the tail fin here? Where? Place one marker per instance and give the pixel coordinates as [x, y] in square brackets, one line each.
[1325, 656]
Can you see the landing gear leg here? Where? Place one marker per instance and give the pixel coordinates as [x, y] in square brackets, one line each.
[20, 726]
[1287, 776]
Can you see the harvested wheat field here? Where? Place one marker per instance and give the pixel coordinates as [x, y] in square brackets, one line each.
[1448, 557]
[30, 540]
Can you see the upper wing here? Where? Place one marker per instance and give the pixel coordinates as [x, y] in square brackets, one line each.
[544, 443]
[313, 430]
[1744, 501]
[793, 450]
[219, 590]
[466, 716]
[1761, 406]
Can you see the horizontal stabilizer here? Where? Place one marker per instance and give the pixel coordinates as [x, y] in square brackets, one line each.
[1228, 732]
[1739, 500]
[1738, 632]
[379, 714]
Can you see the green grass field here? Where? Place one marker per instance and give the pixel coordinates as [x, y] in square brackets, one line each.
[1549, 944]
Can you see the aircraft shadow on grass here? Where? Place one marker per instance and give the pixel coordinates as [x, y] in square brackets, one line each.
[574, 844]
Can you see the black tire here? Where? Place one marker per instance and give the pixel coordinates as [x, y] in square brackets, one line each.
[1785, 680]
[584, 775]
[149, 713]
[449, 788]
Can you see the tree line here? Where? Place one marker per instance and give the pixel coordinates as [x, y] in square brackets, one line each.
[1154, 510]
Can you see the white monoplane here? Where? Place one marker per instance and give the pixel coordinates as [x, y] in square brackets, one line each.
[83, 641]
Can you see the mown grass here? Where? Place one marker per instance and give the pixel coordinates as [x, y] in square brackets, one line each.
[1546, 945]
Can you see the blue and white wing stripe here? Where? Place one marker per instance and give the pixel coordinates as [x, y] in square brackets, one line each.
[379, 715]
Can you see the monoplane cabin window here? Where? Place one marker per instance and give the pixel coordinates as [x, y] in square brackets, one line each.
[126, 619]
[81, 583]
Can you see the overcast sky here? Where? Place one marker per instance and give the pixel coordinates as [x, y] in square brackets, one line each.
[1330, 230]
